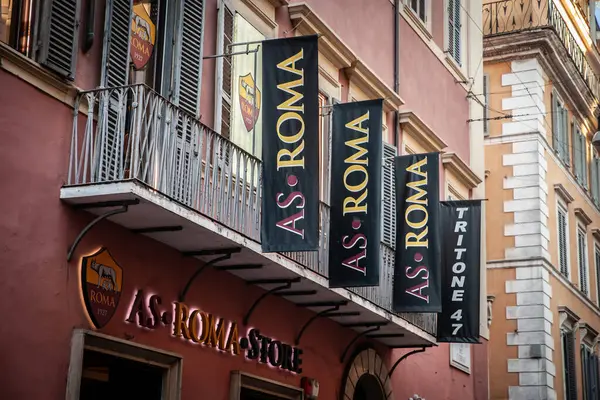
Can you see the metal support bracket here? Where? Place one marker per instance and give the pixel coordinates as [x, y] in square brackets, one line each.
[123, 209]
[312, 319]
[360, 334]
[287, 285]
[404, 357]
[223, 254]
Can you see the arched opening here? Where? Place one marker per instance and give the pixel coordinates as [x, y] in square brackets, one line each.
[368, 387]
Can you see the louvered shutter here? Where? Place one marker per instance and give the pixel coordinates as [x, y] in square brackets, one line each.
[576, 153]
[555, 125]
[562, 242]
[188, 75]
[594, 184]
[565, 136]
[581, 250]
[597, 266]
[188, 83]
[113, 103]
[585, 379]
[59, 36]
[569, 362]
[388, 225]
[583, 159]
[454, 13]
[486, 94]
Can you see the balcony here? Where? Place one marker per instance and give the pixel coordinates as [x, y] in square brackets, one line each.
[131, 144]
[520, 16]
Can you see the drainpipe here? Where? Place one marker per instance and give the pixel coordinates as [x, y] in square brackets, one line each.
[396, 67]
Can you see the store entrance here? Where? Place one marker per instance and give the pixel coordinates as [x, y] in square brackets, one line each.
[368, 388]
[249, 394]
[109, 377]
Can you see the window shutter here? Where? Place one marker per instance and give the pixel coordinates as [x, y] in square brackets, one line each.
[594, 184]
[576, 153]
[569, 361]
[565, 136]
[188, 75]
[59, 36]
[581, 250]
[555, 125]
[597, 266]
[486, 94]
[562, 242]
[583, 158]
[115, 73]
[457, 31]
[224, 69]
[388, 225]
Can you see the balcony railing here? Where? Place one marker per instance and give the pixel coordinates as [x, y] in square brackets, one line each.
[514, 16]
[132, 132]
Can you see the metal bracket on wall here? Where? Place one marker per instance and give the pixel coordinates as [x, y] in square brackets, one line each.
[223, 254]
[375, 327]
[404, 357]
[287, 283]
[124, 206]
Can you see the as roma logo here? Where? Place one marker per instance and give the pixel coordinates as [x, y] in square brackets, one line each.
[143, 36]
[249, 94]
[101, 286]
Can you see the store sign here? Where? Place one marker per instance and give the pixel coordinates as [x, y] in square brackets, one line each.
[101, 286]
[417, 272]
[143, 37]
[203, 328]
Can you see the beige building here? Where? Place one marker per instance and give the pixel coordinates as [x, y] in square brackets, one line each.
[541, 65]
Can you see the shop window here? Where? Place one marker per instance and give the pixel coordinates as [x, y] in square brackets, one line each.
[248, 387]
[103, 367]
[46, 31]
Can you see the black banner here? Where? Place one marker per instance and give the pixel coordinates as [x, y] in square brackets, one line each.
[461, 229]
[356, 163]
[417, 278]
[290, 145]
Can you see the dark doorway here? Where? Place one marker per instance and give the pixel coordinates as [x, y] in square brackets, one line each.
[109, 377]
[368, 388]
[249, 394]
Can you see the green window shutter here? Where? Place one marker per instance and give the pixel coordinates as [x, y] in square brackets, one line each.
[115, 73]
[576, 153]
[594, 181]
[555, 125]
[566, 151]
[188, 74]
[584, 163]
[59, 36]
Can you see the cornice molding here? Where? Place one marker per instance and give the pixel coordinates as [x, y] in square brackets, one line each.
[582, 215]
[567, 317]
[588, 334]
[342, 56]
[279, 3]
[416, 128]
[461, 170]
[260, 13]
[596, 233]
[563, 193]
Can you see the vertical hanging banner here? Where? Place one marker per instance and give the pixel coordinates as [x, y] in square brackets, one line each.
[290, 145]
[356, 163]
[417, 277]
[461, 229]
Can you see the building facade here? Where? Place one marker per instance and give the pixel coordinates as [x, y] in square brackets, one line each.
[541, 63]
[132, 155]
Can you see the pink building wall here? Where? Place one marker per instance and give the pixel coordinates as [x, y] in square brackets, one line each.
[40, 304]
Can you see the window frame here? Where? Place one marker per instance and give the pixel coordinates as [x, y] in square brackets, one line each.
[597, 270]
[240, 379]
[89, 340]
[448, 21]
[426, 21]
[563, 150]
[561, 207]
[581, 229]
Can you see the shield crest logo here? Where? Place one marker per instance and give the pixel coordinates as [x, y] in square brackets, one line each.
[142, 38]
[101, 286]
[249, 100]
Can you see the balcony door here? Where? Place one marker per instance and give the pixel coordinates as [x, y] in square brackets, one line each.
[150, 107]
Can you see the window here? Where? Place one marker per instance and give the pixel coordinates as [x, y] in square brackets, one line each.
[454, 28]
[560, 137]
[589, 368]
[244, 386]
[486, 102]
[579, 155]
[419, 7]
[582, 262]
[563, 240]
[388, 225]
[569, 372]
[53, 43]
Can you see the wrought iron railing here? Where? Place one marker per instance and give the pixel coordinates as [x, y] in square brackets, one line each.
[513, 16]
[132, 132]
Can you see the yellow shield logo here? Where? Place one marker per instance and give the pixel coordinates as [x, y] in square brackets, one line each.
[249, 100]
[101, 286]
[143, 36]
